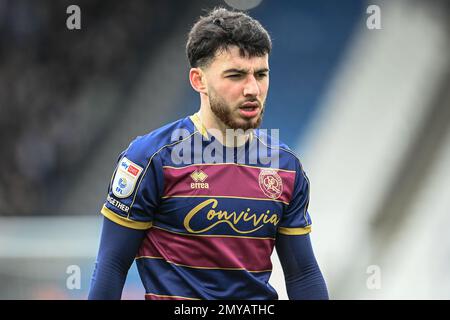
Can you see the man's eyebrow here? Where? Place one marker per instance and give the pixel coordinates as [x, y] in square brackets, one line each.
[245, 71]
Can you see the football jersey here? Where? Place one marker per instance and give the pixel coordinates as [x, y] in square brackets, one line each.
[211, 212]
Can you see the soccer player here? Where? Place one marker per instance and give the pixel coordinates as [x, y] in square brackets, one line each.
[201, 208]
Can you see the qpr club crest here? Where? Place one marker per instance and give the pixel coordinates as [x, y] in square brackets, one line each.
[270, 183]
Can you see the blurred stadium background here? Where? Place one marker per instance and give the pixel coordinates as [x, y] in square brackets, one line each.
[368, 111]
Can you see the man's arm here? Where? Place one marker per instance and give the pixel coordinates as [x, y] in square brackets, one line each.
[304, 280]
[118, 248]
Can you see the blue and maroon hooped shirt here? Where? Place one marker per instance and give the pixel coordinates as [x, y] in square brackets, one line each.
[212, 213]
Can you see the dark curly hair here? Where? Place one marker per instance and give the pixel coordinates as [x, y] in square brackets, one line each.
[222, 28]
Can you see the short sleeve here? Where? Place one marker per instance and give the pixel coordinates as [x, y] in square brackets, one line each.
[135, 189]
[296, 219]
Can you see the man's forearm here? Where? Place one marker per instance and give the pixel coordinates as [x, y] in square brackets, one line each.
[304, 280]
[118, 247]
[308, 285]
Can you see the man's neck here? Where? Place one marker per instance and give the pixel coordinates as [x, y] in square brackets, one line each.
[218, 129]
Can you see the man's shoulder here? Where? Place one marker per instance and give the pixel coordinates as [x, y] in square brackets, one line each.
[144, 147]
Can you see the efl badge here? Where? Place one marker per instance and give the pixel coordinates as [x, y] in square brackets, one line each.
[126, 177]
[270, 183]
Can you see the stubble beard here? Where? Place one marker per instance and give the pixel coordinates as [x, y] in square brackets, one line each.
[225, 114]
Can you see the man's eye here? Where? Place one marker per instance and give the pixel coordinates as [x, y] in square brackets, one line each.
[234, 76]
[262, 75]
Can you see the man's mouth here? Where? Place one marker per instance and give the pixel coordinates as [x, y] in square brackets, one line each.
[250, 104]
[249, 109]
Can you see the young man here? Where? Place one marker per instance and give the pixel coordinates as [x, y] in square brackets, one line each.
[201, 207]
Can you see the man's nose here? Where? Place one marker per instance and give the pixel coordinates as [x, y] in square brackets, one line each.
[251, 87]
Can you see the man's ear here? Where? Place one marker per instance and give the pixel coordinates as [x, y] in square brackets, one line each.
[198, 80]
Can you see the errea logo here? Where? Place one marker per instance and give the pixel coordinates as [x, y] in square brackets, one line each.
[199, 177]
